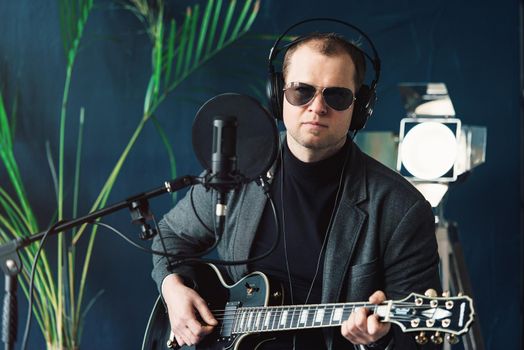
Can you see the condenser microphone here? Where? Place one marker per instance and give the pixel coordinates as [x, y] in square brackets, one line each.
[223, 123]
[224, 154]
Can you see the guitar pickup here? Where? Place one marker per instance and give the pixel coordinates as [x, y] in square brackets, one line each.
[229, 315]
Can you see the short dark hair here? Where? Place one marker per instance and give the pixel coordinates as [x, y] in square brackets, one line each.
[331, 44]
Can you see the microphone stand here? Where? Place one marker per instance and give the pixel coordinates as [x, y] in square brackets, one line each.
[12, 265]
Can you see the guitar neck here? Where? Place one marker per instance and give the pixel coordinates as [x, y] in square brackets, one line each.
[292, 317]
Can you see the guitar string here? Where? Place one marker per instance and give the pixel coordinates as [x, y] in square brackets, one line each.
[310, 306]
[277, 312]
[235, 315]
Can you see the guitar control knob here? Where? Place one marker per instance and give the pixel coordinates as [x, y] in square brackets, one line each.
[421, 338]
[431, 293]
[452, 339]
[437, 338]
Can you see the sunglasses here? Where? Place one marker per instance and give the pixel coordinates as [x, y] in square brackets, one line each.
[300, 94]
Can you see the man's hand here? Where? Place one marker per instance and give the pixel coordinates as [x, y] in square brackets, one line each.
[363, 328]
[186, 308]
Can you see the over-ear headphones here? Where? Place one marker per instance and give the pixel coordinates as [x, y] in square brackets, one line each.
[365, 96]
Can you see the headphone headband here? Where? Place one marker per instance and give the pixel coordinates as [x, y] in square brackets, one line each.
[375, 60]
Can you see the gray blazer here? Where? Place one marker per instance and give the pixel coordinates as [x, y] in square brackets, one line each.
[383, 238]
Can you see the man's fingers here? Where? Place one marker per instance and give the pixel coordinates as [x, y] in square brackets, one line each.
[373, 325]
[361, 315]
[179, 340]
[204, 312]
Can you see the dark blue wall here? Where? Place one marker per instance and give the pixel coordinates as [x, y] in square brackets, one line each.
[471, 46]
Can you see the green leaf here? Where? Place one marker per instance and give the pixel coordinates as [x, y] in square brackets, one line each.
[227, 22]
[252, 17]
[149, 94]
[170, 52]
[216, 16]
[182, 46]
[157, 52]
[203, 29]
[14, 117]
[52, 167]
[5, 129]
[241, 18]
[76, 183]
[192, 35]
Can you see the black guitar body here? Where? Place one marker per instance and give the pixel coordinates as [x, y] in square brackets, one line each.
[249, 312]
[251, 291]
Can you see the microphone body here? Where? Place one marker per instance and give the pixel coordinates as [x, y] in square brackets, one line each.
[223, 177]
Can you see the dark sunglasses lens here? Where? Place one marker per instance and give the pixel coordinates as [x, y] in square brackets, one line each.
[338, 98]
[299, 95]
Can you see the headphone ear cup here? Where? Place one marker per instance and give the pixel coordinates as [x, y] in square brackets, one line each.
[364, 104]
[275, 94]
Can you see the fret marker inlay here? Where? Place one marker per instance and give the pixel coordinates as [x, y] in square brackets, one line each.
[337, 316]
[303, 317]
[283, 319]
[266, 322]
[320, 316]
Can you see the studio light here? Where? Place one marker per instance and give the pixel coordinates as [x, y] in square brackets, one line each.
[435, 148]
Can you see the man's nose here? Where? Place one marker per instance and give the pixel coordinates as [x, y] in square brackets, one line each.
[318, 105]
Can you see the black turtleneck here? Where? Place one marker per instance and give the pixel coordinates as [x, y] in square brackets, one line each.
[304, 196]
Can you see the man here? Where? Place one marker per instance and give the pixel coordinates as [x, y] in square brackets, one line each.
[352, 229]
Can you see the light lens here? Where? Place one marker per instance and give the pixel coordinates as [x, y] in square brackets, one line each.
[429, 150]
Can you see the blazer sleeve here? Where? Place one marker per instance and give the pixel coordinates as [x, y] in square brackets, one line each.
[182, 232]
[411, 262]
[411, 256]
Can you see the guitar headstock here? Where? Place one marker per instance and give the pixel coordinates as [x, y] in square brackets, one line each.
[423, 313]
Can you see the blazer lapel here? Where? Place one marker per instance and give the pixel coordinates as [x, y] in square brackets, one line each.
[252, 206]
[346, 228]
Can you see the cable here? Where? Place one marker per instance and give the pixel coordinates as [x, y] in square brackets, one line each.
[183, 259]
[31, 282]
[241, 262]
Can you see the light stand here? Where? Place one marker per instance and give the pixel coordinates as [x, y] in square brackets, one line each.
[435, 150]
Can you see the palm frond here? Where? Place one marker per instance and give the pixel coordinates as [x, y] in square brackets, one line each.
[196, 41]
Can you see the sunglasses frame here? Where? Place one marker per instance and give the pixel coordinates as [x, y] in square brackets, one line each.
[322, 89]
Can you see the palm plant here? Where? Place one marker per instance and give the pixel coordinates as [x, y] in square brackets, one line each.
[178, 50]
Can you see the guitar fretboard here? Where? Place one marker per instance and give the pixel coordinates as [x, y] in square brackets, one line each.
[267, 319]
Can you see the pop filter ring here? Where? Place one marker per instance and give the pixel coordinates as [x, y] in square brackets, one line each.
[257, 135]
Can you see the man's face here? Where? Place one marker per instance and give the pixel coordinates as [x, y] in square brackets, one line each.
[315, 130]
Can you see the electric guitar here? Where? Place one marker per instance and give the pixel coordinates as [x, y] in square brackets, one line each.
[249, 310]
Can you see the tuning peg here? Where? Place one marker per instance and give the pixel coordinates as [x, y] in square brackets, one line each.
[446, 294]
[437, 338]
[421, 338]
[452, 339]
[431, 293]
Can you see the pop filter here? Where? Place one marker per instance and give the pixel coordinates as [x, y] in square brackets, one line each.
[257, 136]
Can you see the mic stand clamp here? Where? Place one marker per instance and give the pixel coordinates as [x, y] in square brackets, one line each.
[140, 214]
